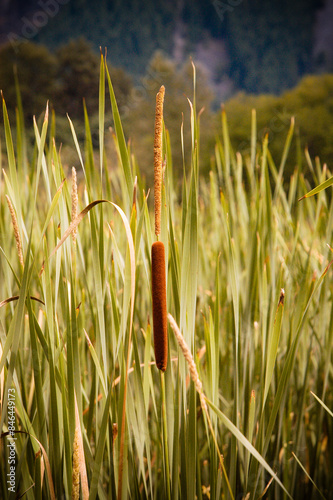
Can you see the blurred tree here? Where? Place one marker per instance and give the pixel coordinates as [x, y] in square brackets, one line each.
[270, 43]
[310, 102]
[131, 33]
[239, 109]
[77, 78]
[36, 69]
[66, 78]
[140, 112]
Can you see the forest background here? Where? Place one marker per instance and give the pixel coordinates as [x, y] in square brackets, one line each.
[275, 57]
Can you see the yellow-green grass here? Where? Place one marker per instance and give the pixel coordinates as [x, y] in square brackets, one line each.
[75, 320]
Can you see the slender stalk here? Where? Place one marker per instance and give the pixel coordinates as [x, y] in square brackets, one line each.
[165, 439]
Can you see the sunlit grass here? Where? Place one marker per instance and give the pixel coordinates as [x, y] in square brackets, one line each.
[248, 286]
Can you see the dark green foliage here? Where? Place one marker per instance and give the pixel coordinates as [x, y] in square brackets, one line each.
[64, 79]
[77, 78]
[270, 43]
[310, 102]
[71, 75]
[131, 32]
[36, 70]
[139, 113]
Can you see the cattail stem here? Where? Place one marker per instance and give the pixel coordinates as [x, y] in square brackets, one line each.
[159, 305]
[165, 438]
[158, 158]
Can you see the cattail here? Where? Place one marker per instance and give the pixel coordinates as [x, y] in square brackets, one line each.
[157, 251]
[158, 158]
[16, 231]
[76, 467]
[159, 305]
[74, 202]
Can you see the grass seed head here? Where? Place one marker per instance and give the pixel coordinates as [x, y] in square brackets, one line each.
[76, 467]
[16, 230]
[190, 361]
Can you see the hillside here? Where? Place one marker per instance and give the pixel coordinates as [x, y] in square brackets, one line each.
[253, 46]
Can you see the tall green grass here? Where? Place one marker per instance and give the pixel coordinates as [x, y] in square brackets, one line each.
[248, 284]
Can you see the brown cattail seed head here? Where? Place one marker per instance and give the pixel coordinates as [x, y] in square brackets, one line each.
[158, 158]
[159, 305]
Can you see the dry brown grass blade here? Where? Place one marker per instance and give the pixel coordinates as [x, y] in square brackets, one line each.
[16, 297]
[74, 224]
